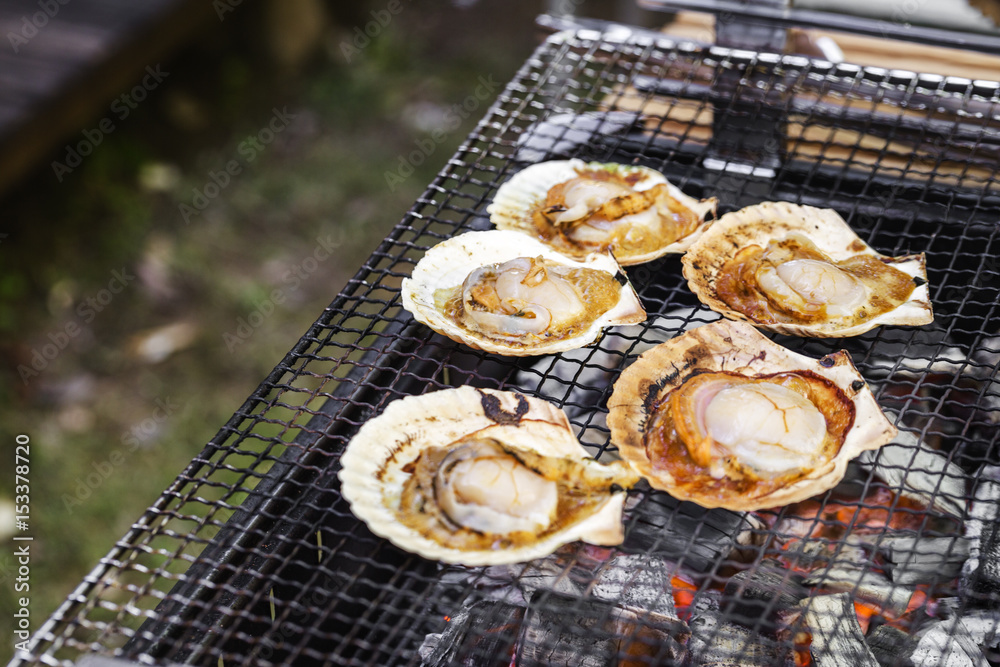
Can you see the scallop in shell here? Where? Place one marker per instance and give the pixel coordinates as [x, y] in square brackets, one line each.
[578, 208]
[481, 477]
[501, 292]
[724, 417]
[803, 271]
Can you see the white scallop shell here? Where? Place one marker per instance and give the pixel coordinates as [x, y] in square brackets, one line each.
[447, 265]
[758, 224]
[519, 197]
[737, 347]
[373, 472]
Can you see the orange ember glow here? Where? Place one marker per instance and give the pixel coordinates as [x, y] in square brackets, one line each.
[881, 509]
[803, 652]
[865, 612]
[684, 592]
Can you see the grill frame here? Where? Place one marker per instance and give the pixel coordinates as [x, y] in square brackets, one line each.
[238, 554]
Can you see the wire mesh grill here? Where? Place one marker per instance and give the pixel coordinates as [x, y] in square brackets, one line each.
[252, 556]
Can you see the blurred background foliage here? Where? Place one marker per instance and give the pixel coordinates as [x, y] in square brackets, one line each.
[146, 372]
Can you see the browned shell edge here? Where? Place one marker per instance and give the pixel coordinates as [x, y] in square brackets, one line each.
[701, 264]
[660, 369]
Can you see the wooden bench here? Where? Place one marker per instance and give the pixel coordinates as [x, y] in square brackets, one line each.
[63, 63]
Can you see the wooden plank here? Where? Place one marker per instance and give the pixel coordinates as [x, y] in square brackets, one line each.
[67, 73]
[860, 50]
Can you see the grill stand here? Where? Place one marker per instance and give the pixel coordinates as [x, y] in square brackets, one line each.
[351, 598]
[747, 134]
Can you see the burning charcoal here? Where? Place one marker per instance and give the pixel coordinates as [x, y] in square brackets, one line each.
[637, 582]
[717, 642]
[820, 552]
[983, 625]
[643, 644]
[918, 559]
[481, 634]
[947, 643]
[915, 470]
[888, 645]
[564, 134]
[560, 630]
[981, 573]
[864, 583]
[837, 639]
[686, 533]
[640, 587]
[763, 594]
[548, 574]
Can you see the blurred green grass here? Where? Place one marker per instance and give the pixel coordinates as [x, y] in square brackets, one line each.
[324, 177]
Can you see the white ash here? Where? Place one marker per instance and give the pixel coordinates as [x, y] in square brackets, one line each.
[983, 625]
[911, 468]
[865, 584]
[837, 638]
[947, 643]
[638, 583]
[918, 559]
[982, 569]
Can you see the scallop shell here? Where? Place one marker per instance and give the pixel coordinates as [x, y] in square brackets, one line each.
[447, 265]
[519, 197]
[758, 224]
[375, 462]
[736, 347]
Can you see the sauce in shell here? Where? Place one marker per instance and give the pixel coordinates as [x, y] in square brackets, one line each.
[739, 287]
[668, 452]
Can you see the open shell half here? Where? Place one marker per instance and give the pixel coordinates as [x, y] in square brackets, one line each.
[724, 417]
[536, 301]
[410, 475]
[632, 211]
[802, 271]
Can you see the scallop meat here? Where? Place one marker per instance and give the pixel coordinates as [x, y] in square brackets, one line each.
[802, 271]
[481, 477]
[724, 417]
[501, 292]
[579, 208]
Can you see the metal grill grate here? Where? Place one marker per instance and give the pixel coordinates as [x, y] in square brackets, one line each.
[252, 556]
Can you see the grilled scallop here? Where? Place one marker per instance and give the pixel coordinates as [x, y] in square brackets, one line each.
[724, 417]
[579, 208]
[803, 271]
[501, 292]
[481, 477]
